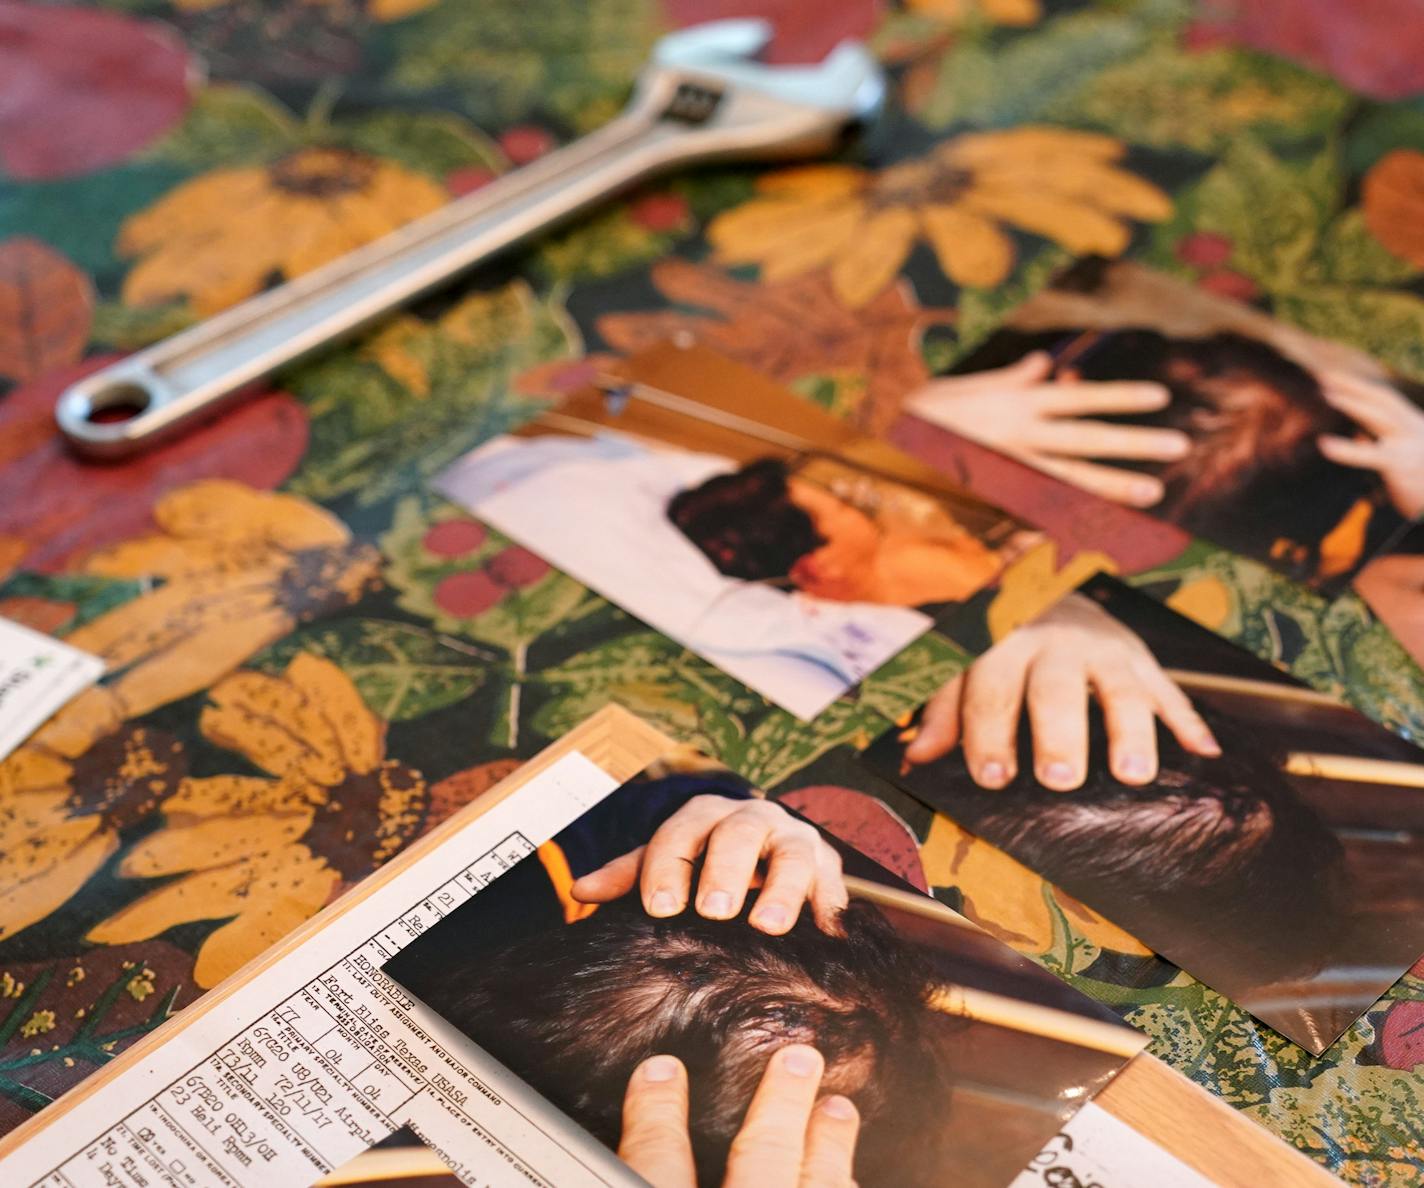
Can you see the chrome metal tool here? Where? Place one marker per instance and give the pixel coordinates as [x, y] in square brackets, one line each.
[702, 97]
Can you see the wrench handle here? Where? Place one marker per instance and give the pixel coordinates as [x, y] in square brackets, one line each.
[675, 118]
[198, 371]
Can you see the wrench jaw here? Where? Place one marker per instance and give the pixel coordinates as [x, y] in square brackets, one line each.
[729, 105]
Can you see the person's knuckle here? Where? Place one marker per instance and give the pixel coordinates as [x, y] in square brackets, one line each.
[773, 1138]
[741, 829]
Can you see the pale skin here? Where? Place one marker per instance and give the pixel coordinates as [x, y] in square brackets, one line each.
[1024, 411]
[1390, 441]
[1047, 422]
[734, 839]
[790, 1138]
[1048, 669]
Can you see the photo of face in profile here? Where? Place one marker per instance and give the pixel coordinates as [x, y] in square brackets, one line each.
[792, 566]
[1302, 454]
[650, 953]
[1283, 867]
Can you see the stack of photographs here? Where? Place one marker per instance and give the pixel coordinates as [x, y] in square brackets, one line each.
[1283, 864]
[1286, 870]
[961, 1058]
[1209, 416]
[729, 515]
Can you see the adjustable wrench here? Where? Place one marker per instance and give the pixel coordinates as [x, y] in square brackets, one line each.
[702, 97]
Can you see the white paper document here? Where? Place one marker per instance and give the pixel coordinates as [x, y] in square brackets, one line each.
[1096, 1150]
[38, 675]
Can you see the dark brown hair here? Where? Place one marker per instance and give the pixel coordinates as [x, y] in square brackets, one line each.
[574, 1009]
[1220, 854]
[745, 522]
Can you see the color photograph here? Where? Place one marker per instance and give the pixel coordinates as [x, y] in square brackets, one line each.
[796, 562]
[687, 941]
[1263, 836]
[1300, 453]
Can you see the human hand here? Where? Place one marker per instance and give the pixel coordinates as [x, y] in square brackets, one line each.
[1050, 665]
[1395, 445]
[788, 1138]
[736, 836]
[1020, 411]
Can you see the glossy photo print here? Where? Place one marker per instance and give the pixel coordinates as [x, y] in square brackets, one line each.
[796, 559]
[648, 951]
[1263, 836]
[1300, 453]
[401, 1160]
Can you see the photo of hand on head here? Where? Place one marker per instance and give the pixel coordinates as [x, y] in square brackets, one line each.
[791, 1136]
[1254, 436]
[1223, 414]
[1070, 747]
[720, 843]
[714, 987]
[1048, 668]
[685, 957]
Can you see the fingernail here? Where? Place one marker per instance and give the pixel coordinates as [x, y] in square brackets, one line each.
[1058, 775]
[660, 1068]
[1134, 767]
[800, 1061]
[718, 905]
[993, 775]
[1207, 745]
[1145, 493]
[664, 904]
[773, 917]
[839, 1107]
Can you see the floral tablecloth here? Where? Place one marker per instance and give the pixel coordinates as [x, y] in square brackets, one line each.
[313, 660]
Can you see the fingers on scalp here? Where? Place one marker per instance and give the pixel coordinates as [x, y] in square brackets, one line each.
[790, 878]
[1378, 406]
[734, 849]
[655, 1141]
[1363, 455]
[829, 897]
[989, 725]
[939, 724]
[666, 881]
[830, 1144]
[1057, 701]
[1176, 710]
[1130, 716]
[768, 1150]
[1098, 439]
[1108, 482]
[1075, 398]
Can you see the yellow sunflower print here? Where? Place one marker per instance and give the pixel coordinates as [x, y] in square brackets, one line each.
[1062, 185]
[60, 820]
[226, 235]
[266, 853]
[234, 570]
